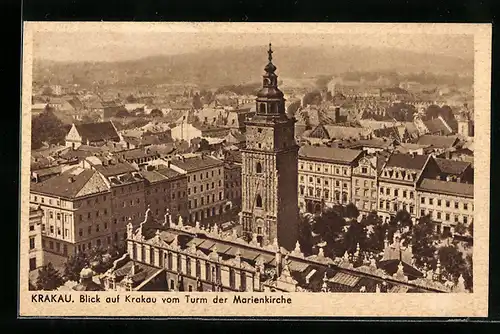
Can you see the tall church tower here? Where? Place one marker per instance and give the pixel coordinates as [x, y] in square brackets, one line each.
[269, 170]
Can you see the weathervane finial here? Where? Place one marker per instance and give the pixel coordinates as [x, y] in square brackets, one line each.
[270, 53]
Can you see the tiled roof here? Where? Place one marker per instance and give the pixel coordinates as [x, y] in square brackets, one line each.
[331, 154]
[373, 143]
[97, 131]
[137, 153]
[115, 169]
[167, 172]
[343, 132]
[407, 161]
[444, 187]
[197, 162]
[437, 141]
[451, 166]
[437, 125]
[84, 182]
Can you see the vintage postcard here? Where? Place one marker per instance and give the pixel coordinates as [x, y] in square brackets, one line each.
[255, 169]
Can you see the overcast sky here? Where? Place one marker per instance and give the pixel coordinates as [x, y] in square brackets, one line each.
[115, 46]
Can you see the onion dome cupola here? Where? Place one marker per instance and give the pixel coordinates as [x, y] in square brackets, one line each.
[270, 100]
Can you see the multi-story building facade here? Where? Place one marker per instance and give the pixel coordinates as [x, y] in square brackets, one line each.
[269, 168]
[205, 185]
[325, 175]
[397, 184]
[446, 193]
[35, 238]
[127, 194]
[365, 183]
[232, 183]
[76, 209]
[166, 192]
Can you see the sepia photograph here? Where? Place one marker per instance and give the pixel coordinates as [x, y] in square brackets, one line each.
[200, 169]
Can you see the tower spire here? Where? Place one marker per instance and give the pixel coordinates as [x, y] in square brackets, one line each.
[270, 53]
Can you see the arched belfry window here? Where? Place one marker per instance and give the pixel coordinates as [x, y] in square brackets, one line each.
[262, 108]
[258, 168]
[274, 108]
[258, 201]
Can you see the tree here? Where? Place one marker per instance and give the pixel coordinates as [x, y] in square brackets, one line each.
[468, 274]
[356, 234]
[156, 113]
[329, 225]
[131, 99]
[305, 235]
[470, 229]
[460, 228]
[74, 266]
[422, 237]
[46, 127]
[48, 278]
[452, 261]
[351, 211]
[197, 104]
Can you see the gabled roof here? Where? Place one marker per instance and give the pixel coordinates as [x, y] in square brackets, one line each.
[196, 162]
[407, 161]
[97, 131]
[73, 183]
[331, 154]
[438, 125]
[452, 166]
[116, 168]
[438, 141]
[445, 187]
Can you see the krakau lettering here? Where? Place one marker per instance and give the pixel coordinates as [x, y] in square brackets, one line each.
[51, 298]
[141, 299]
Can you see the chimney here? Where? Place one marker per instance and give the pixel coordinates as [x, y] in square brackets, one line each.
[71, 179]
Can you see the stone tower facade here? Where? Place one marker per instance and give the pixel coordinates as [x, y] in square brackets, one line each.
[269, 171]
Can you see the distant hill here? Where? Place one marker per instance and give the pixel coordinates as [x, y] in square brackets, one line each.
[214, 68]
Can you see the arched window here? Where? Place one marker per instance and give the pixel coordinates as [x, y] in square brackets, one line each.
[274, 108]
[262, 108]
[258, 168]
[259, 201]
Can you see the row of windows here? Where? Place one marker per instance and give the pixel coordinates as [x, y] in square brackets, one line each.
[212, 273]
[405, 193]
[337, 170]
[204, 174]
[409, 176]
[326, 193]
[325, 182]
[58, 216]
[444, 216]
[99, 242]
[89, 229]
[366, 193]
[395, 206]
[97, 214]
[53, 230]
[55, 246]
[209, 212]
[447, 203]
[194, 203]
[366, 183]
[232, 184]
[366, 205]
[207, 187]
[130, 189]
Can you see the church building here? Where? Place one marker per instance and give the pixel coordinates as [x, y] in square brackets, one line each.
[269, 168]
